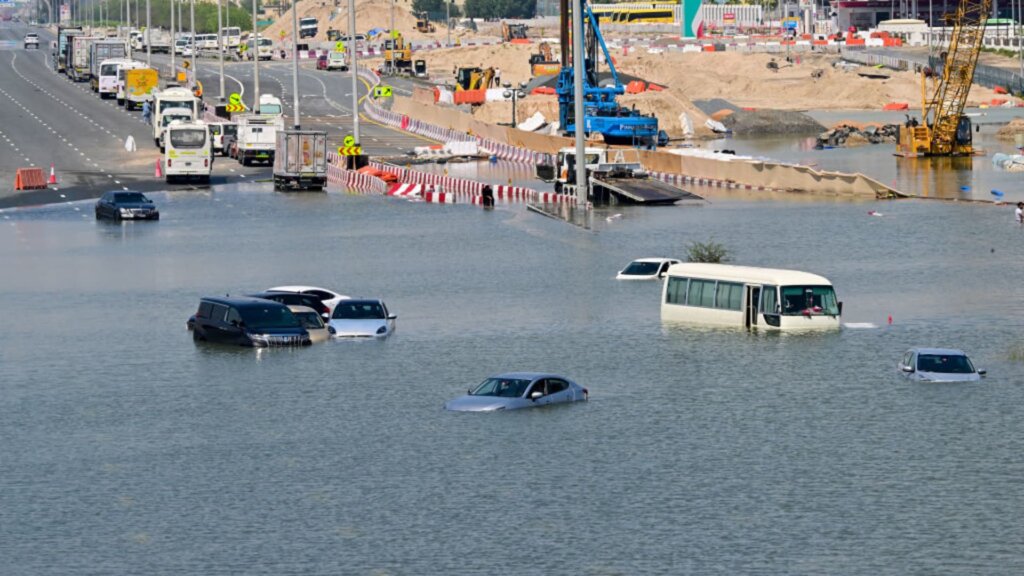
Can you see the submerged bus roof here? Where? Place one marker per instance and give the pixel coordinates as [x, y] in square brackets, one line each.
[775, 276]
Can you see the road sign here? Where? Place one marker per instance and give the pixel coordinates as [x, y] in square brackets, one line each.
[234, 108]
[339, 46]
[382, 91]
[235, 98]
[349, 141]
[283, 34]
[350, 150]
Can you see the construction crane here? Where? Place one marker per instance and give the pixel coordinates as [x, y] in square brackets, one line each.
[602, 114]
[944, 130]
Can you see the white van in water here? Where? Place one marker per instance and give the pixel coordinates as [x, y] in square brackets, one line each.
[747, 297]
[188, 152]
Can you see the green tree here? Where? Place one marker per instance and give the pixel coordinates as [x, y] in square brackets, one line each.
[500, 9]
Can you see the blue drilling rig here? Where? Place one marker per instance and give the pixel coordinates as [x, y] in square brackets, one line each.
[602, 114]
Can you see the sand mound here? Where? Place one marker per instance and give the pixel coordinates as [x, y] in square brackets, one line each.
[1011, 130]
[512, 59]
[370, 14]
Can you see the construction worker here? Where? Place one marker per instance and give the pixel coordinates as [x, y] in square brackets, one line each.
[147, 112]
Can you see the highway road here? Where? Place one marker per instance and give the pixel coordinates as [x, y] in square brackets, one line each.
[51, 120]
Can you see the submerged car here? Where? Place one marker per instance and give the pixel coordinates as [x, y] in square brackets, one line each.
[938, 365]
[646, 269]
[330, 298]
[247, 322]
[518, 390]
[295, 299]
[313, 323]
[362, 319]
[126, 205]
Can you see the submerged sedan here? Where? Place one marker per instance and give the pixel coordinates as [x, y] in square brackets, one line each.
[938, 365]
[362, 319]
[128, 205]
[646, 269]
[518, 390]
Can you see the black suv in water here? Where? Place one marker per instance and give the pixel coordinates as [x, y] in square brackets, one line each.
[247, 322]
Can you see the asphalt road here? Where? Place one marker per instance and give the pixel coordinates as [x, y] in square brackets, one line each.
[49, 119]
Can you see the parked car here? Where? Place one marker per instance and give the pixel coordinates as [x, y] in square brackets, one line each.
[516, 390]
[362, 319]
[295, 299]
[313, 323]
[321, 62]
[126, 205]
[32, 39]
[247, 322]
[330, 298]
[646, 269]
[938, 365]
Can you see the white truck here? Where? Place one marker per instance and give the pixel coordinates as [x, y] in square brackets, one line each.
[308, 27]
[78, 58]
[300, 160]
[188, 153]
[157, 39]
[257, 137]
[172, 103]
[102, 51]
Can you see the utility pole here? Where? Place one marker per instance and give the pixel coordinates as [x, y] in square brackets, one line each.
[174, 43]
[149, 39]
[355, 77]
[255, 52]
[394, 39]
[295, 62]
[448, 22]
[221, 47]
[192, 23]
[579, 59]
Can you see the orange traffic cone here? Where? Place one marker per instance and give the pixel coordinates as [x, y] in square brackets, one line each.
[53, 175]
[158, 173]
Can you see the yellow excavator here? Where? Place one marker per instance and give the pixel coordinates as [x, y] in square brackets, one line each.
[543, 63]
[511, 32]
[474, 78]
[397, 55]
[944, 130]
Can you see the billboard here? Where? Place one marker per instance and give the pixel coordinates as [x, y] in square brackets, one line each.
[65, 13]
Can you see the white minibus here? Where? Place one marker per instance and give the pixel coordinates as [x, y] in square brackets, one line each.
[747, 297]
[187, 153]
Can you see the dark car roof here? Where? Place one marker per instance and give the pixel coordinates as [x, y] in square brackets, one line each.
[240, 301]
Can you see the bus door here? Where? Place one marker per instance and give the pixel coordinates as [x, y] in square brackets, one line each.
[750, 306]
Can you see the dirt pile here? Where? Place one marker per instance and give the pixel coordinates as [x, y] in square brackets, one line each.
[767, 122]
[370, 14]
[1011, 130]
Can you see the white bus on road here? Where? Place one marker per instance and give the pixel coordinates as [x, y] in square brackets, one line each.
[747, 297]
[231, 38]
[188, 153]
[264, 47]
[175, 101]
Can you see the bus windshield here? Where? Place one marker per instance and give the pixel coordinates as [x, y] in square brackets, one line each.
[809, 301]
[188, 138]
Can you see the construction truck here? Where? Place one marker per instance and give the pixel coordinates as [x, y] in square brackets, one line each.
[136, 85]
[510, 32]
[543, 63]
[944, 129]
[474, 78]
[423, 23]
[300, 160]
[602, 114]
[397, 56]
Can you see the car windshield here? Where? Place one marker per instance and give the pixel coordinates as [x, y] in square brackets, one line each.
[359, 310]
[134, 197]
[809, 301]
[642, 268]
[310, 320]
[501, 387]
[337, 55]
[190, 138]
[270, 109]
[262, 317]
[108, 69]
[944, 363]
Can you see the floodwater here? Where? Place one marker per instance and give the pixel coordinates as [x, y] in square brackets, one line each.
[128, 449]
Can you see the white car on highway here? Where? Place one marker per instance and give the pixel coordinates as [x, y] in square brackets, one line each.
[32, 39]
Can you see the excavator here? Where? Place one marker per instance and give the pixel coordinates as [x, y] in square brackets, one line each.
[423, 23]
[543, 63]
[397, 55]
[510, 32]
[944, 130]
[474, 78]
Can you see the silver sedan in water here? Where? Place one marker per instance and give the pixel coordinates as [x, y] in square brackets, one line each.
[938, 365]
[518, 390]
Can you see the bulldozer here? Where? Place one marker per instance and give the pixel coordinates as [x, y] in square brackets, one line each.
[423, 23]
[397, 56]
[474, 78]
[510, 32]
[543, 63]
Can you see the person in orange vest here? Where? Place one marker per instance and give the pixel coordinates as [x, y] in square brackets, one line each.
[198, 90]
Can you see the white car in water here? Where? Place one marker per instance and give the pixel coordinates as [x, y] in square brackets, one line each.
[330, 298]
[938, 365]
[646, 269]
[362, 319]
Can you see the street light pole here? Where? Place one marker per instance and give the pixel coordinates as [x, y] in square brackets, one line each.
[448, 22]
[174, 44]
[221, 47]
[355, 76]
[579, 58]
[255, 60]
[295, 62]
[149, 39]
[192, 24]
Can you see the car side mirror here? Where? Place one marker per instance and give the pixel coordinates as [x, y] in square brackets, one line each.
[392, 316]
[536, 395]
[907, 369]
[331, 330]
[982, 372]
[840, 308]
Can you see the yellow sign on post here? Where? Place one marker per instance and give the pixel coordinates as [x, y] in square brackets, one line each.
[349, 141]
[382, 91]
[339, 46]
[350, 150]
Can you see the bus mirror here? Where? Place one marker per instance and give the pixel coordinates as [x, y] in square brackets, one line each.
[840, 305]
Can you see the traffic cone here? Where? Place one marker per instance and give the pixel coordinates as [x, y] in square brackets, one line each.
[53, 175]
[158, 173]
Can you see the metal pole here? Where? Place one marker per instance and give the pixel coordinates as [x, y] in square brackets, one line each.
[174, 43]
[354, 65]
[448, 22]
[394, 41]
[295, 62]
[192, 23]
[578, 63]
[221, 47]
[149, 39]
[255, 61]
